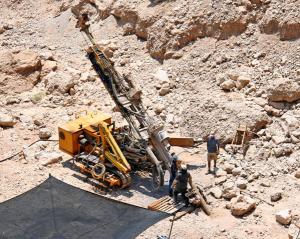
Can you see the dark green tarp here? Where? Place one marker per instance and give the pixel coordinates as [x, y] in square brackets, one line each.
[56, 210]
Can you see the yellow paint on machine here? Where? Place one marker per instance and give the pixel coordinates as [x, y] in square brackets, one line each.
[69, 132]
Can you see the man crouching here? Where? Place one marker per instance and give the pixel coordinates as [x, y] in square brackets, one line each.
[180, 184]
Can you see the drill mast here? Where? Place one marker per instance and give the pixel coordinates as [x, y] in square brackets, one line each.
[147, 131]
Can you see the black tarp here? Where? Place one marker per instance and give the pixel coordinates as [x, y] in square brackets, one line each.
[56, 210]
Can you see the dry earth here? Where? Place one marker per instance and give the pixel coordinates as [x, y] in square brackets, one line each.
[202, 66]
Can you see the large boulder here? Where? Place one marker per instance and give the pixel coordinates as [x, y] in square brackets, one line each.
[48, 158]
[60, 81]
[6, 120]
[161, 76]
[157, 40]
[26, 62]
[48, 66]
[284, 217]
[216, 192]
[220, 173]
[290, 30]
[284, 89]
[229, 191]
[227, 85]
[242, 205]
[127, 17]
[242, 81]
[6, 60]
[19, 72]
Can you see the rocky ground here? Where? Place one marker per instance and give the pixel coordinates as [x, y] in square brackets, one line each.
[202, 66]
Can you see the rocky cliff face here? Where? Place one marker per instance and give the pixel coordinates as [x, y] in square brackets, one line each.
[223, 62]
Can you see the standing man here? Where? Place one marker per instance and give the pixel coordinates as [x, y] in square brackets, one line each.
[176, 162]
[180, 184]
[213, 148]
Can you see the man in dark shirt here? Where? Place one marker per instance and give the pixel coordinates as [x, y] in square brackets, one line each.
[174, 168]
[180, 184]
[213, 148]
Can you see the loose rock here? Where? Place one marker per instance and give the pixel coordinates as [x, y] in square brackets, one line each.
[216, 192]
[227, 85]
[242, 205]
[284, 217]
[242, 81]
[45, 134]
[228, 168]
[47, 158]
[164, 91]
[241, 183]
[297, 173]
[284, 90]
[293, 232]
[6, 120]
[229, 190]
[276, 197]
[220, 173]
[27, 61]
[236, 171]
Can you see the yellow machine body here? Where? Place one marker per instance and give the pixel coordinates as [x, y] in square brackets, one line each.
[70, 131]
[101, 147]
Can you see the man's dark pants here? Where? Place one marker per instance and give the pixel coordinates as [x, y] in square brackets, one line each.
[183, 192]
[172, 178]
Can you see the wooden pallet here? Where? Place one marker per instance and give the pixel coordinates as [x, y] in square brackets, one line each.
[166, 204]
[240, 135]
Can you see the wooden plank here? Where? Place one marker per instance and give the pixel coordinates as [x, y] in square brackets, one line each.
[157, 202]
[234, 138]
[176, 209]
[163, 201]
[168, 207]
[166, 204]
[163, 205]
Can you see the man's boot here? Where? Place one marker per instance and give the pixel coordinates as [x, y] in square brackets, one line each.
[175, 195]
[186, 199]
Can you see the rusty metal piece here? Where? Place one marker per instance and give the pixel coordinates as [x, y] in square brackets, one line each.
[181, 141]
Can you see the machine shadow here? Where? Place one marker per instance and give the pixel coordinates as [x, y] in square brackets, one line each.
[194, 167]
[144, 185]
[69, 164]
[139, 184]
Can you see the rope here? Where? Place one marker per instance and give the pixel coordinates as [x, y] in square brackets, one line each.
[170, 232]
[262, 200]
[40, 140]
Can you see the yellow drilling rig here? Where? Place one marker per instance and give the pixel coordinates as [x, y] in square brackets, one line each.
[109, 153]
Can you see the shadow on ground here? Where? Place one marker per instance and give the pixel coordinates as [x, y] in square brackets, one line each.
[142, 184]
